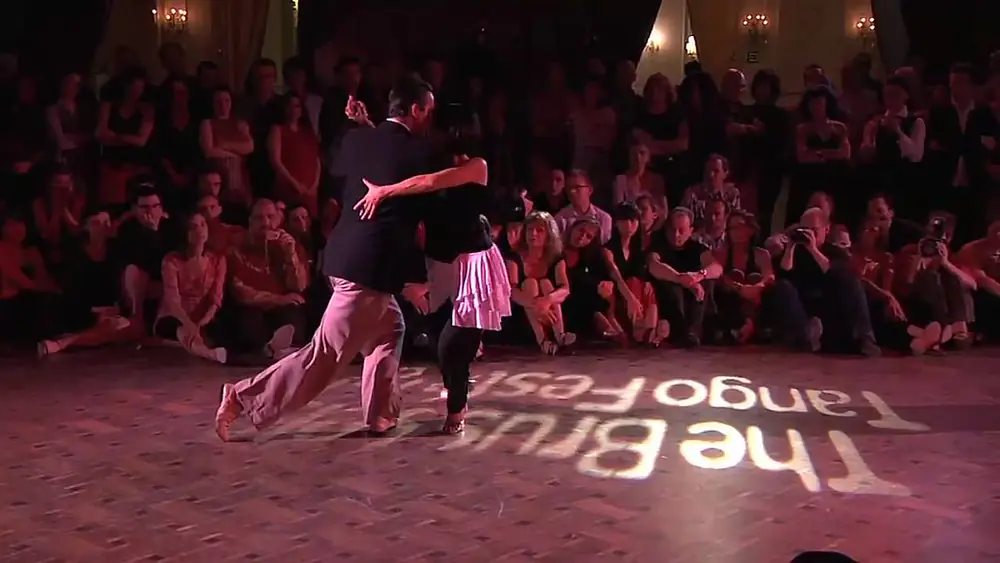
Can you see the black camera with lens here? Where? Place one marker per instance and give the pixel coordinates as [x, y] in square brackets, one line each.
[799, 236]
[936, 234]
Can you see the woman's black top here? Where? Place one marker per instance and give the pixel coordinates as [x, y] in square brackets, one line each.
[635, 265]
[751, 267]
[455, 222]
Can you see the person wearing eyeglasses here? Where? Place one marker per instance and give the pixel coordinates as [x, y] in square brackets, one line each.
[580, 191]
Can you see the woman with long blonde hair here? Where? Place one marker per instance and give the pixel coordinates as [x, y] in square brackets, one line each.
[537, 273]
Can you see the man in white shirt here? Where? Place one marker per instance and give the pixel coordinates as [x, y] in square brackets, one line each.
[580, 190]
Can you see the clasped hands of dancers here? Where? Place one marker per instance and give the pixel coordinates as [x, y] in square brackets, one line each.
[385, 168]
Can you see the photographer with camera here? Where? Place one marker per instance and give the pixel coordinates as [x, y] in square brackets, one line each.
[818, 299]
[935, 289]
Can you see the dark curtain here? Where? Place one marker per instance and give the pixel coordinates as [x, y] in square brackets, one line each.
[53, 41]
[893, 40]
[963, 31]
[622, 27]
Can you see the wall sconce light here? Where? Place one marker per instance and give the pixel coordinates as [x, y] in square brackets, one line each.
[173, 20]
[691, 48]
[655, 41]
[756, 27]
[865, 28]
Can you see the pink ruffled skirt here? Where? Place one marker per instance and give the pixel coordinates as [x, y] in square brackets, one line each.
[478, 286]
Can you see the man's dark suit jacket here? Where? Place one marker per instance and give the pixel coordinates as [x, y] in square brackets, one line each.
[374, 253]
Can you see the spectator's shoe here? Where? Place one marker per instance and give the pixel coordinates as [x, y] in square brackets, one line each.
[869, 348]
[925, 338]
[280, 342]
[229, 410]
[566, 339]
[962, 340]
[690, 341]
[48, 347]
[661, 333]
[814, 334]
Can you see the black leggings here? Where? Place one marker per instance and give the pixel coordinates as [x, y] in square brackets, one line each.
[457, 348]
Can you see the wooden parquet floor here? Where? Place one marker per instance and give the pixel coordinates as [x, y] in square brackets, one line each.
[621, 456]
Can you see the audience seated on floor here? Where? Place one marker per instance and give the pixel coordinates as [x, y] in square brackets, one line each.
[981, 260]
[539, 282]
[747, 274]
[94, 189]
[820, 301]
[91, 290]
[140, 244]
[266, 284]
[684, 272]
[194, 280]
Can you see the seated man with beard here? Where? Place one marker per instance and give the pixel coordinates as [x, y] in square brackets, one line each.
[267, 279]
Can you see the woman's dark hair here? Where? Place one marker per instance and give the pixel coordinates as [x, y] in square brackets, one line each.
[659, 79]
[749, 219]
[769, 78]
[706, 89]
[293, 64]
[899, 82]
[625, 210]
[832, 107]
[167, 95]
[285, 101]
[593, 248]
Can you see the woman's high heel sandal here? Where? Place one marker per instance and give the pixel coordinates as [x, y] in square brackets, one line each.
[455, 423]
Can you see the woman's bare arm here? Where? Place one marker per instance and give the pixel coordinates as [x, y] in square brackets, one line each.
[474, 171]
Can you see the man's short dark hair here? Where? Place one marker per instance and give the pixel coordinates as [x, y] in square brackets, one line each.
[884, 196]
[294, 64]
[209, 168]
[407, 91]
[963, 68]
[346, 61]
[143, 186]
[205, 66]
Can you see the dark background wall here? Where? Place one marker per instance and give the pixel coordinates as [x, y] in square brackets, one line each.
[516, 28]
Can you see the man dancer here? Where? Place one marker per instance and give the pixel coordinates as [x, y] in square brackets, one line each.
[364, 264]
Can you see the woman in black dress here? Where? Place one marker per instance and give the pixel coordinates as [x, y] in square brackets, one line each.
[465, 270]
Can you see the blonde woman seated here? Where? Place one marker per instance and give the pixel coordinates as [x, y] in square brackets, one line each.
[193, 283]
[537, 273]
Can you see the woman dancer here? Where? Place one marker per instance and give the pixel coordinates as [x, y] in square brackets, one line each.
[463, 267]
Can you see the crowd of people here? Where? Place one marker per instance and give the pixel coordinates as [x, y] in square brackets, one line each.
[859, 220]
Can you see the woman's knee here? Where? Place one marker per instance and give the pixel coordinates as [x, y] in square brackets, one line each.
[530, 286]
